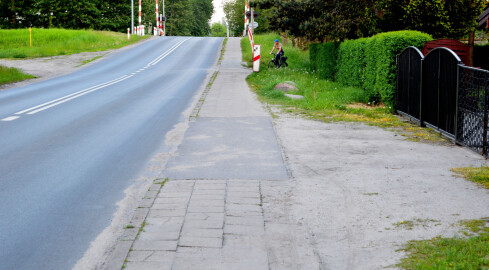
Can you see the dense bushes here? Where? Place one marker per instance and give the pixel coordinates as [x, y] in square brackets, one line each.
[481, 57]
[324, 60]
[368, 63]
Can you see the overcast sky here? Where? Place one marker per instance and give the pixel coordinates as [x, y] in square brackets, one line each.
[218, 12]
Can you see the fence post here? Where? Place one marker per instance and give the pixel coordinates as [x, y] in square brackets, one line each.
[421, 121]
[456, 104]
[484, 133]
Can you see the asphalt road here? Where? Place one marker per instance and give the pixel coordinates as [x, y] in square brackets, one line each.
[70, 146]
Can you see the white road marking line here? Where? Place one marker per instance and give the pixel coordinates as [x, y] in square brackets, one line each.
[52, 103]
[67, 96]
[79, 95]
[165, 54]
[10, 118]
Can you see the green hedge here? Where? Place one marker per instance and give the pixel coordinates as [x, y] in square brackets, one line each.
[323, 58]
[481, 56]
[367, 63]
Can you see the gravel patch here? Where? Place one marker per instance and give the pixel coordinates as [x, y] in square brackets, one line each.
[356, 187]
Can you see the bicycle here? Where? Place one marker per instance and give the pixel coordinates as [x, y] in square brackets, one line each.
[282, 62]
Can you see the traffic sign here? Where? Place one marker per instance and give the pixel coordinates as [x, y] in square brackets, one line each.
[255, 25]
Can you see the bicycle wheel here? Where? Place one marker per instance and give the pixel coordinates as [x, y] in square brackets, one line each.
[271, 64]
[284, 64]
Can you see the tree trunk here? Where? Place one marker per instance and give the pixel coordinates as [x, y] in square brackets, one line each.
[284, 39]
[471, 48]
[14, 21]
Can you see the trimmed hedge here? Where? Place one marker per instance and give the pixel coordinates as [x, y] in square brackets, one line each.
[481, 56]
[323, 58]
[367, 63]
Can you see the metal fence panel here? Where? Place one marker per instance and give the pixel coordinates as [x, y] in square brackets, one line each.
[408, 91]
[440, 90]
[473, 108]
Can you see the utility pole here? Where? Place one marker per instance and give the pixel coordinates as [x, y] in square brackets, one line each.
[132, 17]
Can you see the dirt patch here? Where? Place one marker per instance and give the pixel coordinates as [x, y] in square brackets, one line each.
[356, 186]
[365, 106]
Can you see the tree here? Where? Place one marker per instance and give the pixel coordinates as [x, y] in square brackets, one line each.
[319, 19]
[234, 13]
[185, 17]
[201, 14]
[440, 18]
[218, 30]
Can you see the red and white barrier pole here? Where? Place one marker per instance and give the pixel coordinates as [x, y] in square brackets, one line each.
[157, 17]
[128, 33]
[245, 19]
[161, 25]
[139, 32]
[256, 58]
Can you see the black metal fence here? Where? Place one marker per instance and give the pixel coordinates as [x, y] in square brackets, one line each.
[439, 90]
[473, 96]
[442, 93]
[409, 82]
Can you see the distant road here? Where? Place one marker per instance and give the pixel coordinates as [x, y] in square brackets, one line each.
[70, 146]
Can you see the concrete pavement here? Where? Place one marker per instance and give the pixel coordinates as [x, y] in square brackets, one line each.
[337, 204]
[209, 214]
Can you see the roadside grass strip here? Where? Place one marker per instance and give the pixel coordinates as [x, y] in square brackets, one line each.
[451, 253]
[14, 43]
[479, 175]
[470, 251]
[323, 100]
[11, 75]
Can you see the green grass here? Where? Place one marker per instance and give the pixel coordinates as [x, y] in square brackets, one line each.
[10, 75]
[323, 99]
[451, 253]
[479, 175]
[448, 253]
[50, 42]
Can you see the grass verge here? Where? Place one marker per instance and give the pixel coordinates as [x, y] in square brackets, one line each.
[451, 253]
[471, 252]
[14, 43]
[11, 75]
[323, 100]
[479, 175]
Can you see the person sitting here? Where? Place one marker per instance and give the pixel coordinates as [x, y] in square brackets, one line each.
[280, 51]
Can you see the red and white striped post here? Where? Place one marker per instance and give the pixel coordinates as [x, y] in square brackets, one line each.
[157, 18]
[140, 28]
[162, 24]
[256, 58]
[128, 33]
[246, 19]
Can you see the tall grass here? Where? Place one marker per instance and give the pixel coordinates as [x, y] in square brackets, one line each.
[297, 58]
[50, 42]
[10, 75]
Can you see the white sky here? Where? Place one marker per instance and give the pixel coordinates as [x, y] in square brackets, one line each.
[218, 11]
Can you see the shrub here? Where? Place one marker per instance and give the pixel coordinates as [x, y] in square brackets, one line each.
[481, 56]
[367, 63]
[323, 58]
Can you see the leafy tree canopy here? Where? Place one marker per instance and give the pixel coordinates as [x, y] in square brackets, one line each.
[185, 17]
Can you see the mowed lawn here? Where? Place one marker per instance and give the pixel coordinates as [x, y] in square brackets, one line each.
[15, 43]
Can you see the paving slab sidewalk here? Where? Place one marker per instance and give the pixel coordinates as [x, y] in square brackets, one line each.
[209, 214]
[232, 202]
